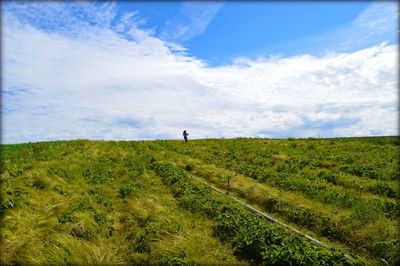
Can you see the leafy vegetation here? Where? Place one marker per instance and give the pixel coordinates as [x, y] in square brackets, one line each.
[306, 182]
[96, 202]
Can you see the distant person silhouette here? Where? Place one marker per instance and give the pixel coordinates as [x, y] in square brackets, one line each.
[185, 134]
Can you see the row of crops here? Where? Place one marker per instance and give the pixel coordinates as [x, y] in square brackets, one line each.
[253, 239]
[141, 202]
[362, 217]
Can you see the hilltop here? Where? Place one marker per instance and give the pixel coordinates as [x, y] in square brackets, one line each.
[150, 202]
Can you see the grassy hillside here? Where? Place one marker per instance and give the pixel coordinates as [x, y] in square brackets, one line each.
[96, 202]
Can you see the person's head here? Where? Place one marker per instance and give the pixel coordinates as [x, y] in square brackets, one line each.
[184, 130]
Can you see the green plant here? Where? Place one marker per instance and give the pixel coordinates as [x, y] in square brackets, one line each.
[128, 190]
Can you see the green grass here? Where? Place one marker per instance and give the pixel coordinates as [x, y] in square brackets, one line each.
[311, 188]
[96, 202]
[96, 205]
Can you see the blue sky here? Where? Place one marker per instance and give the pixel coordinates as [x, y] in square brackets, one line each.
[136, 70]
[254, 29]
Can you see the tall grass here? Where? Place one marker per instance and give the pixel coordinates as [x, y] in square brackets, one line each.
[96, 202]
[92, 203]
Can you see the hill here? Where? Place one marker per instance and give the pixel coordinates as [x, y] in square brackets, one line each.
[150, 202]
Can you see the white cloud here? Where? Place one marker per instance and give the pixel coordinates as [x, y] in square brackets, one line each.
[375, 24]
[378, 21]
[99, 85]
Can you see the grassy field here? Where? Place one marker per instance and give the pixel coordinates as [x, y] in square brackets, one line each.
[144, 202]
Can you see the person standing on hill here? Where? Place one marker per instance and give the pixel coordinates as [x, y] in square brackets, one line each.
[185, 134]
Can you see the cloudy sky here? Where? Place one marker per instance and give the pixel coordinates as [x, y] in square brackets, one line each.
[131, 70]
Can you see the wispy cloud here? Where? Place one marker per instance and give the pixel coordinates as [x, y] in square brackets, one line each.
[192, 20]
[98, 84]
[376, 24]
[67, 18]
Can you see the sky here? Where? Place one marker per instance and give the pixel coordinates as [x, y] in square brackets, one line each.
[136, 71]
